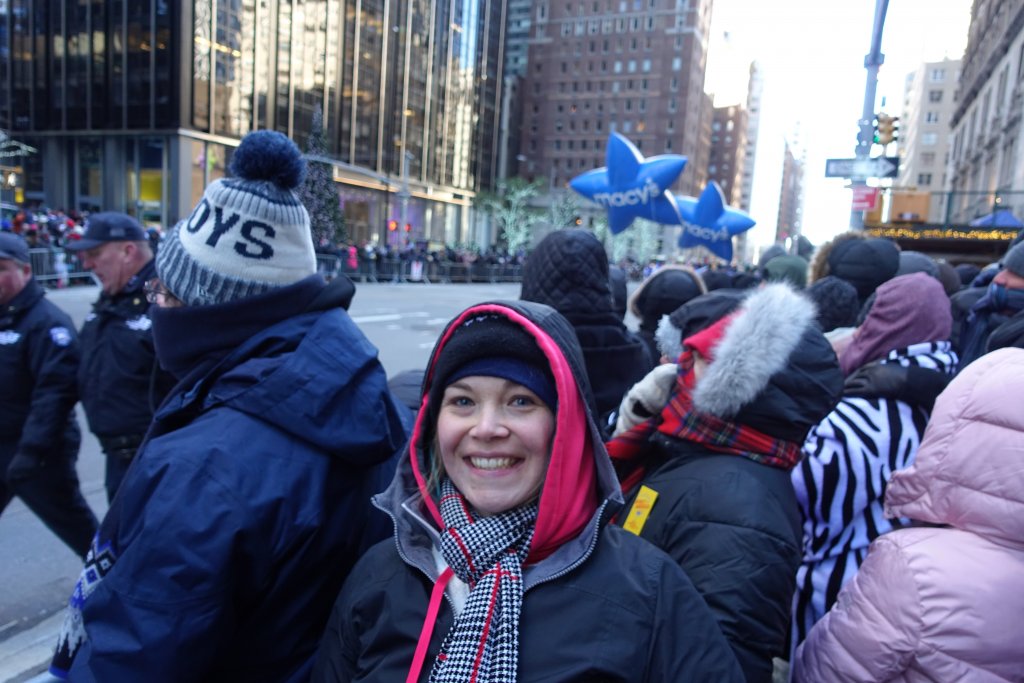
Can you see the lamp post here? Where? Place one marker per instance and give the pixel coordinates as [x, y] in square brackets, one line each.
[865, 136]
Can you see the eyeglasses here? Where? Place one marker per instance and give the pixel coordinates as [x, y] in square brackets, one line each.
[155, 291]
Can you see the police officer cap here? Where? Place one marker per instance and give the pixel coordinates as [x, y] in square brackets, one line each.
[13, 247]
[110, 226]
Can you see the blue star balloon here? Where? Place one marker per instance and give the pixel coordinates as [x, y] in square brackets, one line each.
[630, 186]
[710, 223]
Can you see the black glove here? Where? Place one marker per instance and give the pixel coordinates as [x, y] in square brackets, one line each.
[877, 380]
[913, 385]
[23, 467]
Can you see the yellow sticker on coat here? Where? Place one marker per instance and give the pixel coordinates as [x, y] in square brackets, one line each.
[640, 511]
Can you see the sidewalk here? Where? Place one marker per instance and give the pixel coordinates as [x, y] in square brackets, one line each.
[26, 656]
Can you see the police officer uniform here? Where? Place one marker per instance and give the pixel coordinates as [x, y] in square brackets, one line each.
[39, 436]
[119, 380]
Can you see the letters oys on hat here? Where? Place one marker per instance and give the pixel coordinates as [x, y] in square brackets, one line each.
[248, 234]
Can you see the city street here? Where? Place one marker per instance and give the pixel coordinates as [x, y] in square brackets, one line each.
[39, 572]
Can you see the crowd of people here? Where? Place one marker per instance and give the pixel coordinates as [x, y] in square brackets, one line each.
[812, 470]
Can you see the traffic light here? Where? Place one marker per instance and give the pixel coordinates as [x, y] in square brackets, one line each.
[885, 128]
[392, 225]
[578, 220]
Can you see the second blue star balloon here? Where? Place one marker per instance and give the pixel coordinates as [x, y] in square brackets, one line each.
[710, 223]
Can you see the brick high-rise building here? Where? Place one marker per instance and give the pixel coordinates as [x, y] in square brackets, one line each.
[727, 160]
[755, 90]
[791, 195]
[632, 66]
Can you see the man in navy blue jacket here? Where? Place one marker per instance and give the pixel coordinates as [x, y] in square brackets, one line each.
[119, 381]
[248, 501]
[39, 436]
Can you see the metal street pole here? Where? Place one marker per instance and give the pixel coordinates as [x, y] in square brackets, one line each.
[865, 136]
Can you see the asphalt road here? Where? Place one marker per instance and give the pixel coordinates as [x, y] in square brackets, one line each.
[38, 572]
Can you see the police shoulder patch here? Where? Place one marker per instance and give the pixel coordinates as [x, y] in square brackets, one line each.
[139, 324]
[8, 337]
[60, 336]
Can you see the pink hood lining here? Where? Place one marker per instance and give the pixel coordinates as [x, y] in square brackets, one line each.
[570, 496]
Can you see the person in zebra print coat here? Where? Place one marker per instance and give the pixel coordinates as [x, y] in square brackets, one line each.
[941, 601]
[899, 361]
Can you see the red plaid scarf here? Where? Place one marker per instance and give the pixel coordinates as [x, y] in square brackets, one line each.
[678, 419]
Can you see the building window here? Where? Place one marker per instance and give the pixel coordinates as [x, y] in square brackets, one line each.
[929, 138]
[934, 95]
[927, 158]
[937, 75]
[924, 178]
[677, 63]
[931, 117]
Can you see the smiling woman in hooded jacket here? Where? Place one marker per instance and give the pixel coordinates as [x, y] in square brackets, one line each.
[503, 566]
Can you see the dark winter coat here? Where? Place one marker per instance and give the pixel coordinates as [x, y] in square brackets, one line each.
[39, 356]
[247, 505]
[732, 523]
[568, 271]
[119, 380]
[598, 603]
[734, 526]
[1010, 333]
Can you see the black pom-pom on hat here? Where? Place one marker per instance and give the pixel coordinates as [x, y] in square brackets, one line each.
[269, 155]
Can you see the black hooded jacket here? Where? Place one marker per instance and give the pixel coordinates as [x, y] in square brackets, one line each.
[733, 524]
[569, 272]
[599, 605]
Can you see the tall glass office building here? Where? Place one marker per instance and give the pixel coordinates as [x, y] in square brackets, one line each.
[136, 105]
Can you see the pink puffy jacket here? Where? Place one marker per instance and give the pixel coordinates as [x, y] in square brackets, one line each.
[942, 603]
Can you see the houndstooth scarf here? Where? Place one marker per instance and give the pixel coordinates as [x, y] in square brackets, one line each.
[487, 553]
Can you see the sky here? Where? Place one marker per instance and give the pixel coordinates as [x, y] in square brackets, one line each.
[812, 58]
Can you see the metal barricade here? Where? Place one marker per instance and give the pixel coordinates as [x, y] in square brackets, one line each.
[328, 265]
[58, 267]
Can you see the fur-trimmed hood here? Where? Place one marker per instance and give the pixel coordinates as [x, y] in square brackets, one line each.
[773, 368]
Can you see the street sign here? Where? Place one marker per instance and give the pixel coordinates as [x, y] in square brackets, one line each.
[862, 169]
[864, 198]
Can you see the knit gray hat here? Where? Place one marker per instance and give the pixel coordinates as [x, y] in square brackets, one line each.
[1014, 260]
[248, 234]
